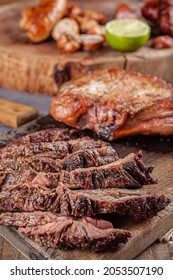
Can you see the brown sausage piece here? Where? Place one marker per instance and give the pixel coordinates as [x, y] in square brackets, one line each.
[69, 43]
[65, 25]
[73, 10]
[89, 26]
[91, 42]
[162, 42]
[97, 16]
[38, 21]
[124, 11]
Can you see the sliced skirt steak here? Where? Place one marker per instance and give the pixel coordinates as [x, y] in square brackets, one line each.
[78, 203]
[55, 231]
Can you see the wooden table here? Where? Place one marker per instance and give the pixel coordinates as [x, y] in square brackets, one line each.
[7, 251]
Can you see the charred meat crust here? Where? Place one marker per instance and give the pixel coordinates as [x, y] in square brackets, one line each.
[105, 101]
[78, 203]
[127, 172]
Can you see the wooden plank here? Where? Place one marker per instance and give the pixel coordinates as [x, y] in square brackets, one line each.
[43, 68]
[158, 151]
[15, 114]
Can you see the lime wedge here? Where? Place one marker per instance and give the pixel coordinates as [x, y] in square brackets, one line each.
[127, 34]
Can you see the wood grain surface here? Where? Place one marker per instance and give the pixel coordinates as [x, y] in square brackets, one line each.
[43, 68]
[158, 151]
[15, 114]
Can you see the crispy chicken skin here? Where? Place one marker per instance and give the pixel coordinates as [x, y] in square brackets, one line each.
[38, 21]
[116, 103]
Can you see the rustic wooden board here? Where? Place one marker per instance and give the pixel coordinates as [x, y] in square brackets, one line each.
[15, 114]
[42, 68]
[158, 151]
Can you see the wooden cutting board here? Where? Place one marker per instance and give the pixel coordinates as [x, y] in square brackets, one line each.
[158, 151]
[43, 68]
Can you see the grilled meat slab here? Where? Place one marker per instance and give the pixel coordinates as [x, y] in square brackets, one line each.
[78, 203]
[56, 231]
[116, 103]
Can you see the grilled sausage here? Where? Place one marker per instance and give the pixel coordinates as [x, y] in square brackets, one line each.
[38, 21]
[91, 42]
[65, 25]
[69, 43]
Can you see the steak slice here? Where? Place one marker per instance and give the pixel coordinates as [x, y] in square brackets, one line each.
[78, 203]
[127, 172]
[28, 198]
[50, 135]
[116, 103]
[59, 149]
[45, 169]
[46, 135]
[89, 158]
[79, 159]
[139, 205]
[62, 232]
[41, 156]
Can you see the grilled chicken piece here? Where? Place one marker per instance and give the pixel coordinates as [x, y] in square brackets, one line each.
[38, 21]
[123, 10]
[116, 103]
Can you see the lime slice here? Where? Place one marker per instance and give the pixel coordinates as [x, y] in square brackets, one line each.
[127, 34]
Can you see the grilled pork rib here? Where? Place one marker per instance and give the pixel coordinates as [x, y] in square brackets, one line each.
[56, 231]
[78, 203]
[116, 103]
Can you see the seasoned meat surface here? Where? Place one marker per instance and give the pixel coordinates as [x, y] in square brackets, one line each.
[123, 173]
[116, 103]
